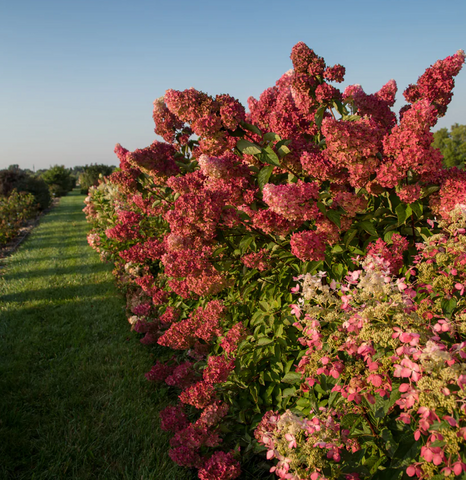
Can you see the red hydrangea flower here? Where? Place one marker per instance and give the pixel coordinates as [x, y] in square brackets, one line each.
[173, 418]
[308, 246]
[220, 466]
[198, 395]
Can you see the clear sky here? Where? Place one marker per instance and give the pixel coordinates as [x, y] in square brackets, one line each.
[77, 77]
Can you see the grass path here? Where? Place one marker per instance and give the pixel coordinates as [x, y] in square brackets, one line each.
[73, 401]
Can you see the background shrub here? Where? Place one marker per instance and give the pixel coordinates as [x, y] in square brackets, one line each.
[14, 210]
[452, 144]
[17, 179]
[91, 174]
[59, 180]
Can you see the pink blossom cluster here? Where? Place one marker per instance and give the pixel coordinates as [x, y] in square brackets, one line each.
[150, 250]
[203, 323]
[409, 147]
[167, 125]
[231, 340]
[269, 222]
[294, 201]
[290, 438]
[437, 82]
[308, 246]
[392, 254]
[209, 118]
[127, 227]
[93, 239]
[157, 161]
[190, 437]
[451, 193]
[218, 369]
[259, 260]
[376, 105]
[353, 147]
[221, 466]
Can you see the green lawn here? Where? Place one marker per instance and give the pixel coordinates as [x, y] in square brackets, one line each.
[74, 403]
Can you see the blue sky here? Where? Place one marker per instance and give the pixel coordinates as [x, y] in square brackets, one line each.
[77, 77]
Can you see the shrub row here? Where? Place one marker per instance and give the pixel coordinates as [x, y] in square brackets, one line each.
[14, 210]
[317, 193]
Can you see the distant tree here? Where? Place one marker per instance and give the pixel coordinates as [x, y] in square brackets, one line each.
[40, 172]
[452, 145]
[59, 180]
[91, 174]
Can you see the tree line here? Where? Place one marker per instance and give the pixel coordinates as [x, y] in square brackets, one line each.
[452, 144]
[56, 181]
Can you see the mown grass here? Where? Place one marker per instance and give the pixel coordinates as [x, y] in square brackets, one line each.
[74, 403]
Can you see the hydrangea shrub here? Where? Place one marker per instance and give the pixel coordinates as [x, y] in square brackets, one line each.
[211, 229]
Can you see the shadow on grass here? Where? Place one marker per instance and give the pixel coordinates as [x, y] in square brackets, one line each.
[50, 272]
[65, 293]
[74, 402]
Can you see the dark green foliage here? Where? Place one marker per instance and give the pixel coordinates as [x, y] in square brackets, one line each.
[17, 179]
[59, 180]
[90, 175]
[14, 211]
[452, 145]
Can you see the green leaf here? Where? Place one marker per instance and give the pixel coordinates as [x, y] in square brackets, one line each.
[283, 150]
[264, 175]
[390, 443]
[271, 137]
[389, 474]
[322, 208]
[338, 270]
[245, 242]
[349, 235]
[403, 212]
[319, 389]
[417, 208]
[247, 147]
[429, 190]
[281, 143]
[437, 426]
[368, 227]
[448, 306]
[270, 157]
[388, 236]
[350, 118]
[264, 341]
[334, 216]
[374, 462]
[319, 116]
[438, 443]
[292, 378]
[254, 392]
[251, 128]
[292, 178]
[407, 451]
[349, 420]
[288, 392]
